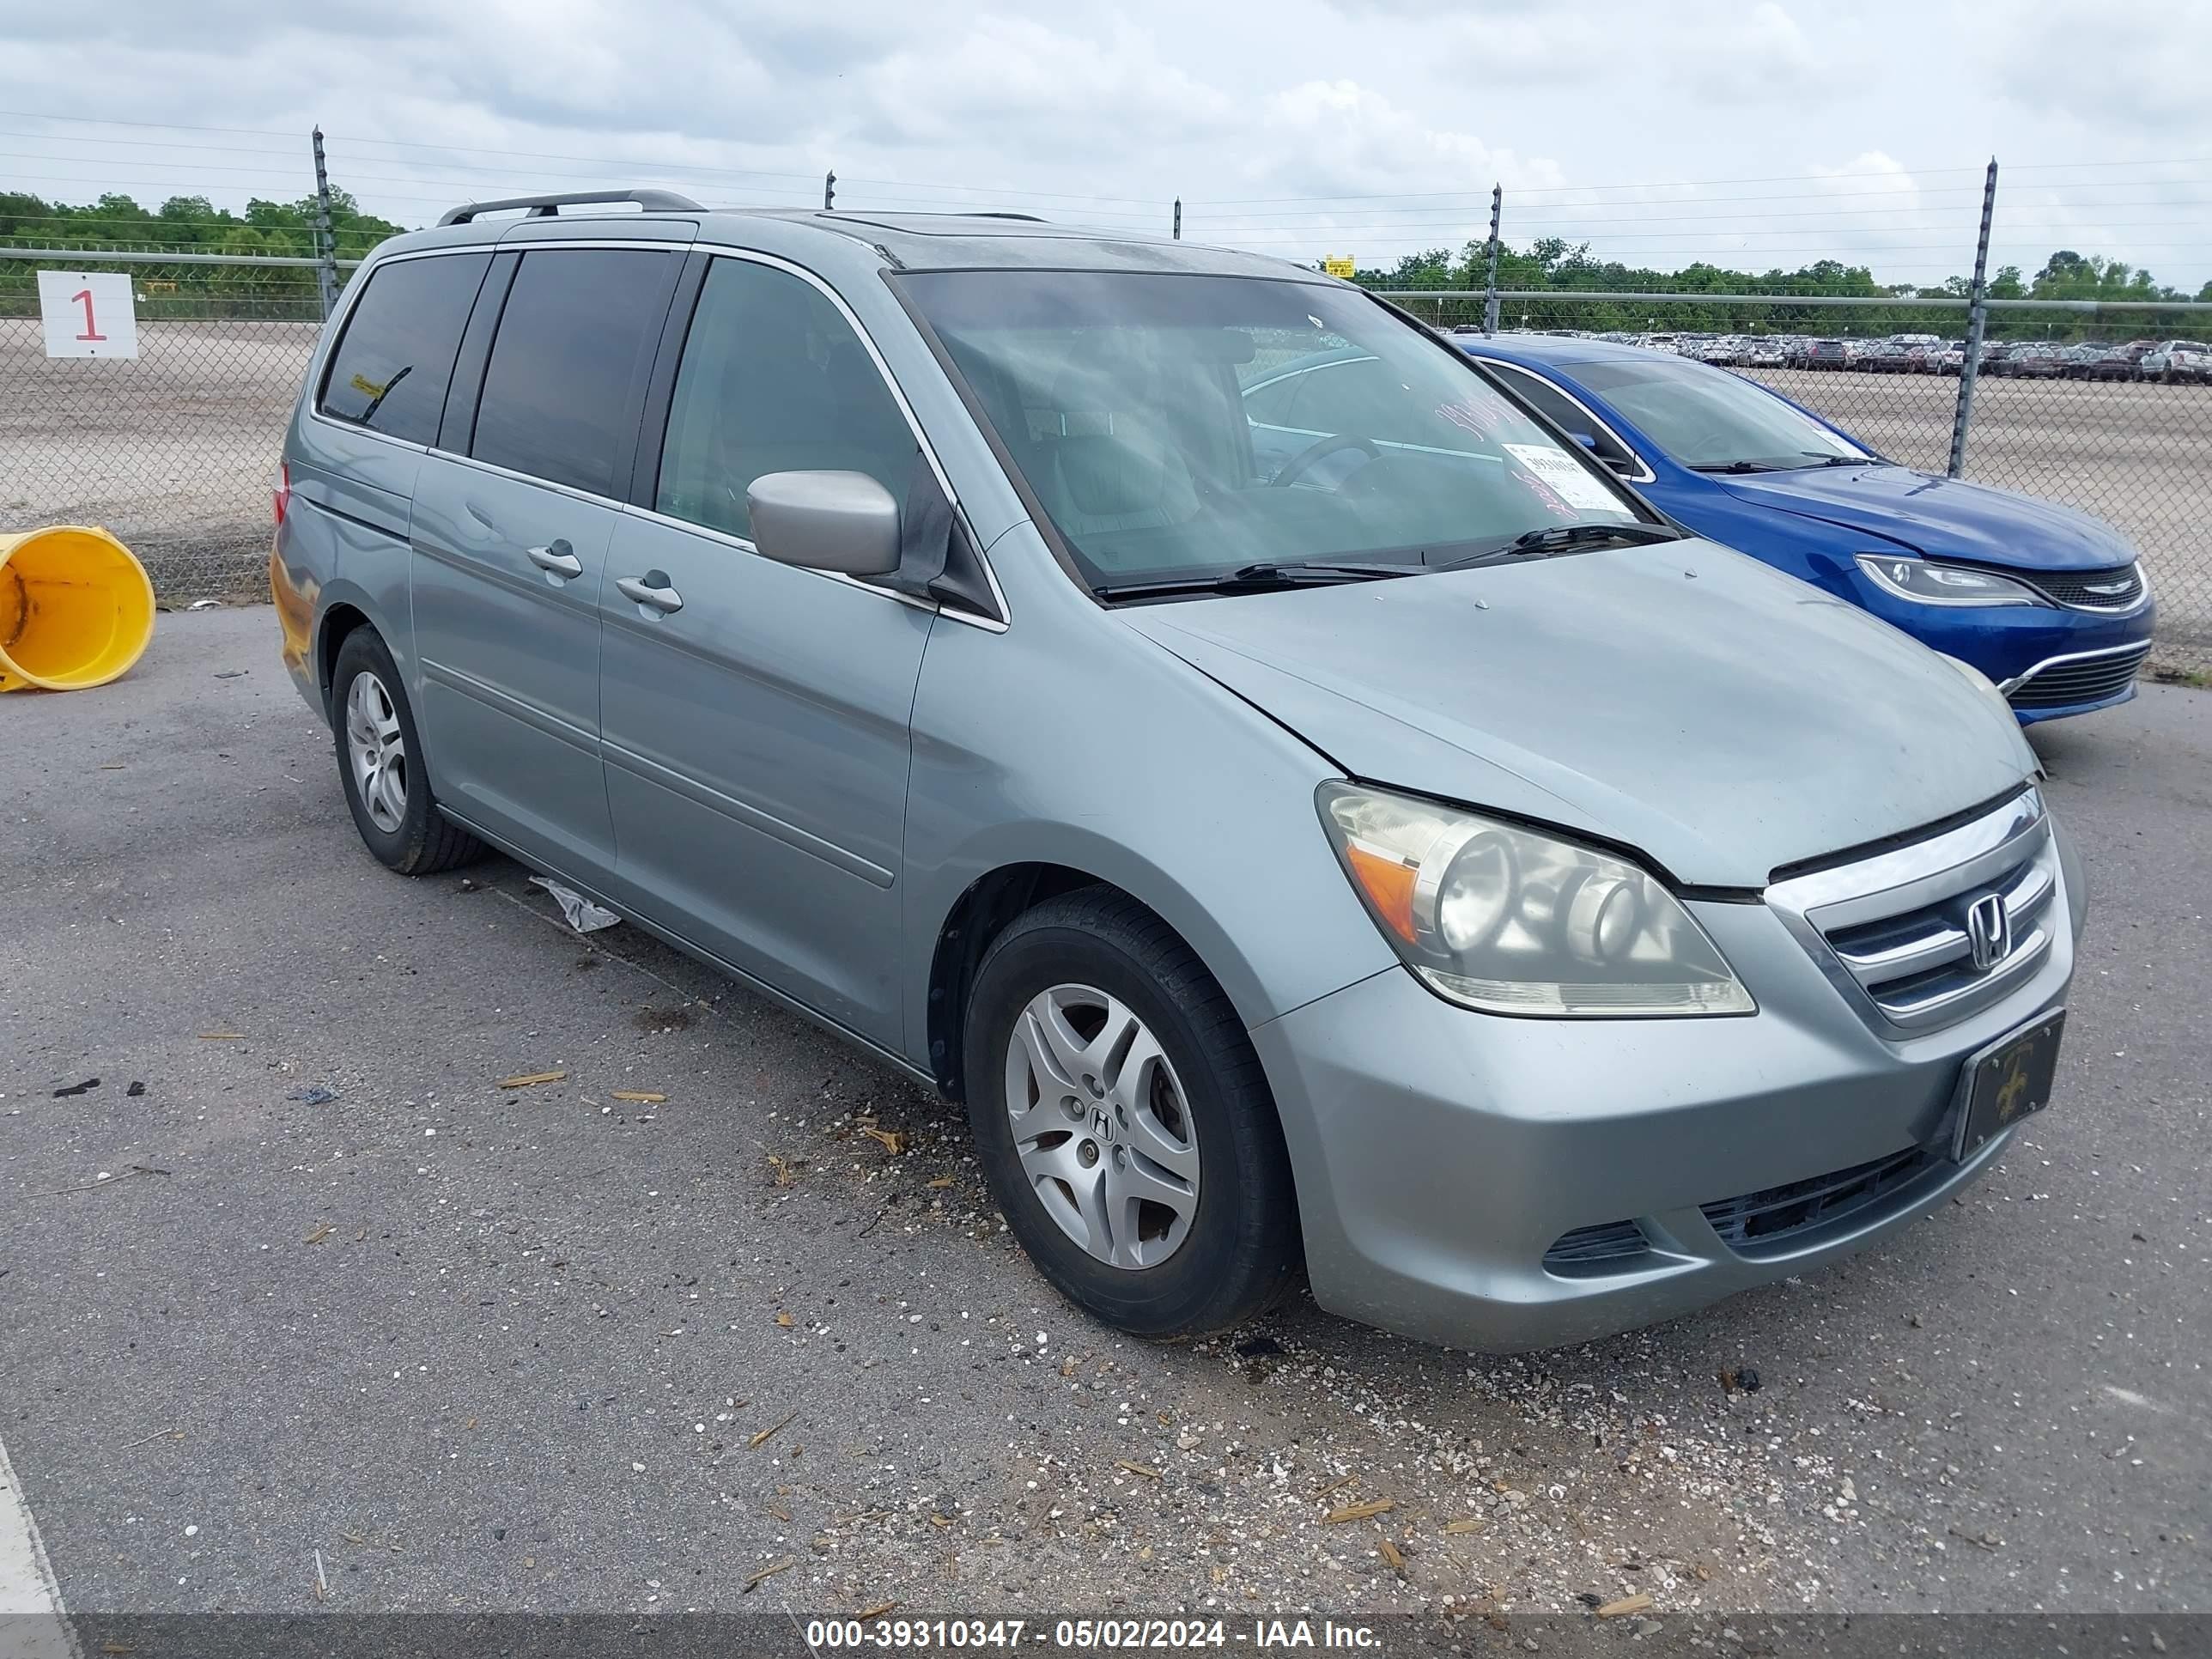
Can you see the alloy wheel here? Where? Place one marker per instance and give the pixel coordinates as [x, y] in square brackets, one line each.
[1101, 1125]
[377, 749]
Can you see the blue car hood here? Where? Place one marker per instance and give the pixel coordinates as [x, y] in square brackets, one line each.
[1940, 518]
[1683, 698]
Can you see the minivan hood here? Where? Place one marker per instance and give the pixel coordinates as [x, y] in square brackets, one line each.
[1940, 518]
[1681, 699]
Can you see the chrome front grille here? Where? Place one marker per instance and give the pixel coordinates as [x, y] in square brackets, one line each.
[2120, 588]
[1895, 931]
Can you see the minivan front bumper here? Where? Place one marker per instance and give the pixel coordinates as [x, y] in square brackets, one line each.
[1441, 1153]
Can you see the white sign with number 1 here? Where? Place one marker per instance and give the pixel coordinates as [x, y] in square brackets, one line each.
[88, 315]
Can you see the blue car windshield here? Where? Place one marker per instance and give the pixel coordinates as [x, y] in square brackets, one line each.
[1706, 417]
[1175, 426]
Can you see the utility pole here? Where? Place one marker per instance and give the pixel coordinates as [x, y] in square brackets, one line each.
[1178, 219]
[1962, 416]
[1489, 285]
[829, 191]
[326, 247]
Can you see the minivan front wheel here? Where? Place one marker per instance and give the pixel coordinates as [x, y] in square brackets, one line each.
[380, 762]
[1124, 1122]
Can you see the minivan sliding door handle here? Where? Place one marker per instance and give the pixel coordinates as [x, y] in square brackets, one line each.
[556, 559]
[651, 590]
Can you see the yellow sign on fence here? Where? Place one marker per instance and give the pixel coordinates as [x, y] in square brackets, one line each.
[1338, 268]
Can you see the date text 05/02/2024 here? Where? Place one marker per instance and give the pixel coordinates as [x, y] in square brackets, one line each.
[1263, 1634]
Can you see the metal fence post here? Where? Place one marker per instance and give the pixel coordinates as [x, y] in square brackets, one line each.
[1490, 284]
[829, 191]
[1970, 369]
[326, 247]
[1178, 219]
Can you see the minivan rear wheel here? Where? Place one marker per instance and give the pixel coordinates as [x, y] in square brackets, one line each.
[380, 764]
[1124, 1122]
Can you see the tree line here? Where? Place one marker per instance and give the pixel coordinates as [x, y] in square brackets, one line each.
[1552, 263]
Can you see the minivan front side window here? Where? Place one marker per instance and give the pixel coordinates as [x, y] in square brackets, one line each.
[390, 369]
[773, 379]
[567, 370]
[1152, 417]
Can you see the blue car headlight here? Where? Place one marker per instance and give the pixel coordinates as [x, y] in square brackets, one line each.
[1925, 583]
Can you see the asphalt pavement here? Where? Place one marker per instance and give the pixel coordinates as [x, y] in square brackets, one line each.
[302, 1307]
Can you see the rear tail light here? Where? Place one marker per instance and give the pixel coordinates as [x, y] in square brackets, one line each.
[281, 497]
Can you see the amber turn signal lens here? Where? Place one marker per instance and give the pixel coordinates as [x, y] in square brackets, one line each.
[1388, 886]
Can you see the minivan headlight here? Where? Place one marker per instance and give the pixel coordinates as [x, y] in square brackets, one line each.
[1500, 918]
[1944, 584]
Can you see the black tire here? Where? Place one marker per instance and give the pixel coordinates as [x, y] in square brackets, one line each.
[1240, 1252]
[424, 841]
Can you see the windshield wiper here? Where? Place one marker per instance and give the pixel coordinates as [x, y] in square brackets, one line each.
[1261, 578]
[1564, 537]
[1743, 466]
[1844, 460]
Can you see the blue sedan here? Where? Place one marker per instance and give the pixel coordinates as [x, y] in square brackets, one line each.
[2048, 603]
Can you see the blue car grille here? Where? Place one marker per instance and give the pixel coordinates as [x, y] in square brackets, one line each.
[1761, 1223]
[2118, 589]
[2087, 679]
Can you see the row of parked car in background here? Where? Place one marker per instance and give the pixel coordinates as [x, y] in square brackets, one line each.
[2169, 362]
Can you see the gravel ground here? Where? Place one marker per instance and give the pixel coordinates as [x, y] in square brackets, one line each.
[175, 452]
[325, 1286]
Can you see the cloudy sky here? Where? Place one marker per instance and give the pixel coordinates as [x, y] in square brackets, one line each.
[1755, 132]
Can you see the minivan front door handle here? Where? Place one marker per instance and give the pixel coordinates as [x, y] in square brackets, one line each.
[556, 559]
[651, 590]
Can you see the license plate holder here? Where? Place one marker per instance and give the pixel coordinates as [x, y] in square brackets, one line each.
[2007, 1082]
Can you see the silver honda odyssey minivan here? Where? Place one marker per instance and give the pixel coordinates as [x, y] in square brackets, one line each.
[1316, 819]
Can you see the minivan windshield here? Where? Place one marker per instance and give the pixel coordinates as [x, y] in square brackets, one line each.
[1178, 428]
[1709, 420]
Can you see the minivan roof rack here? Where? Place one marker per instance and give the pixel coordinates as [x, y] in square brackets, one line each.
[547, 207]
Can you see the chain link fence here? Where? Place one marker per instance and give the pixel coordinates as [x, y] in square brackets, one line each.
[176, 450]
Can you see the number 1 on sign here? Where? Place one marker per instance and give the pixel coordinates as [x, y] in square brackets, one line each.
[83, 297]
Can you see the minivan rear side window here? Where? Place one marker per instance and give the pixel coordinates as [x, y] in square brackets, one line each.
[563, 388]
[389, 371]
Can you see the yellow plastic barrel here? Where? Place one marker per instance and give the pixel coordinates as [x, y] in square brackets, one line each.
[75, 609]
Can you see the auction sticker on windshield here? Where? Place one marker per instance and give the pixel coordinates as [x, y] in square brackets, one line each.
[1568, 479]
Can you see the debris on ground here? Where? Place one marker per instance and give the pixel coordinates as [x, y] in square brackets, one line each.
[642, 1096]
[1639, 1602]
[313, 1095]
[893, 1140]
[754, 1582]
[529, 1079]
[323, 1231]
[83, 1087]
[1741, 1381]
[1359, 1511]
[1144, 1469]
[583, 915]
[784, 1171]
[135, 1090]
[1259, 1347]
[772, 1430]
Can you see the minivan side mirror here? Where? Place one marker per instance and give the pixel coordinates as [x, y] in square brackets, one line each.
[844, 522]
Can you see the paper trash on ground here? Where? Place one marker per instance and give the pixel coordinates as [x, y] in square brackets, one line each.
[583, 916]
